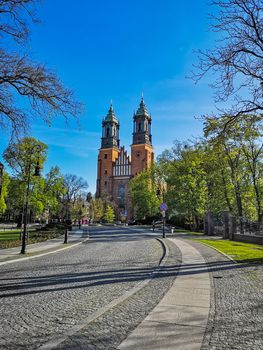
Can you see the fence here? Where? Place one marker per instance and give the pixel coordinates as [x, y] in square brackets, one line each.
[234, 228]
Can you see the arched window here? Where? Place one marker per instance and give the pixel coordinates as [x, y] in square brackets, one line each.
[121, 196]
[108, 132]
[139, 127]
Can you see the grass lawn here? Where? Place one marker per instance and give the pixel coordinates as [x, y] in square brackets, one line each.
[241, 252]
[15, 230]
[9, 239]
[8, 236]
[189, 232]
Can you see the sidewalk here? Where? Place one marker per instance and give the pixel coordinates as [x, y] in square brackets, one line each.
[179, 320]
[47, 247]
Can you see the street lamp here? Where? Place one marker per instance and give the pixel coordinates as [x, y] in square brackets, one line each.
[36, 173]
[80, 217]
[163, 207]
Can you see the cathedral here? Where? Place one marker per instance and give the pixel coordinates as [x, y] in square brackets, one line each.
[115, 166]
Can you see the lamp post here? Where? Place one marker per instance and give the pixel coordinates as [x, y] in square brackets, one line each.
[36, 173]
[80, 217]
[163, 208]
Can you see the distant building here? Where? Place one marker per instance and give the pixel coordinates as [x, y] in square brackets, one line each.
[115, 166]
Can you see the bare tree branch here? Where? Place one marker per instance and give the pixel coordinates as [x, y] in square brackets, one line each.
[28, 90]
[237, 60]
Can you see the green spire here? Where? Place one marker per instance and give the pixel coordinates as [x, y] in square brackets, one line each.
[110, 117]
[142, 110]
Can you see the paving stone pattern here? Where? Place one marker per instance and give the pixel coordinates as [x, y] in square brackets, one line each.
[43, 298]
[108, 331]
[236, 314]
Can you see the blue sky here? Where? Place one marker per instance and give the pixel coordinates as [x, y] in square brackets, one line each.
[116, 50]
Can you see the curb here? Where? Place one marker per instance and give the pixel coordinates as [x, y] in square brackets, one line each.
[219, 251]
[73, 330]
[42, 254]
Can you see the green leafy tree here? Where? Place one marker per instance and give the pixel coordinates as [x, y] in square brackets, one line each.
[23, 157]
[54, 190]
[242, 148]
[109, 215]
[4, 192]
[96, 209]
[143, 190]
[186, 183]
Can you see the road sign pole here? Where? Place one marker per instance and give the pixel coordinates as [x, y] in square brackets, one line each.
[163, 214]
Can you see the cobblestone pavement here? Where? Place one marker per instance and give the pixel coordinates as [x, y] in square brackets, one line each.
[236, 313]
[108, 331]
[45, 297]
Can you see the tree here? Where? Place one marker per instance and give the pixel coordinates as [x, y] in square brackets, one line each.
[74, 186]
[242, 147]
[23, 158]
[89, 197]
[78, 208]
[21, 79]
[25, 154]
[143, 191]
[237, 60]
[4, 192]
[54, 189]
[96, 209]
[109, 215]
[186, 182]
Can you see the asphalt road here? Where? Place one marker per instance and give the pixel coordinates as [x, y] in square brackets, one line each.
[43, 299]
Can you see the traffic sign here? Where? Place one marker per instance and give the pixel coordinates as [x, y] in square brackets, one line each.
[163, 207]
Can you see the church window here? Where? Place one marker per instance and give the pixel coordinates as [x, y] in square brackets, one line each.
[106, 172]
[105, 156]
[139, 127]
[105, 183]
[108, 132]
[121, 196]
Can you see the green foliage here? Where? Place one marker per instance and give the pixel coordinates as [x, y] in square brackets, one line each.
[4, 192]
[45, 193]
[186, 182]
[24, 156]
[143, 191]
[222, 172]
[109, 215]
[53, 192]
[96, 209]
[240, 144]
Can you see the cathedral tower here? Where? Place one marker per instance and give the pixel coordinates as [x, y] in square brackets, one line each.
[108, 153]
[141, 149]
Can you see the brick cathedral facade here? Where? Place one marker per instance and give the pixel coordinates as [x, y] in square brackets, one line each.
[115, 166]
